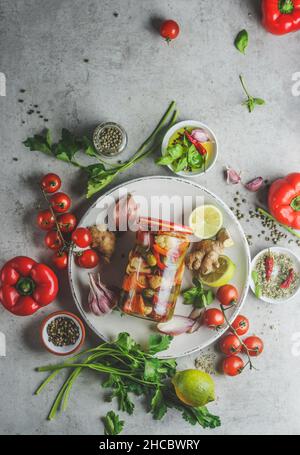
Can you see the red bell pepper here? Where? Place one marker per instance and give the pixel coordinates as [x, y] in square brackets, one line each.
[201, 149]
[26, 286]
[281, 16]
[284, 200]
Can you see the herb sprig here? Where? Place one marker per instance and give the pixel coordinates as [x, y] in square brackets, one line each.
[198, 296]
[101, 173]
[250, 102]
[127, 369]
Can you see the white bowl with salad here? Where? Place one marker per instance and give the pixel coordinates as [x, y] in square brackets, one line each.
[275, 275]
[189, 149]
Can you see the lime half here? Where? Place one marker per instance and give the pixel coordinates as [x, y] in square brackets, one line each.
[206, 221]
[193, 387]
[222, 275]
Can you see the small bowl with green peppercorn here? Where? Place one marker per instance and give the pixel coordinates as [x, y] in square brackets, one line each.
[62, 333]
[109, 139]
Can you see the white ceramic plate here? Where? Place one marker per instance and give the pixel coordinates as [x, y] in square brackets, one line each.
[109, 326]
[278, 250]
[195, 124]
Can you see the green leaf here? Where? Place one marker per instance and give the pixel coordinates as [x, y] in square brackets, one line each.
[125, 342]
[259, 101]
[198, 296]
[112, 424]
[190, 296]
[175, 151]
[96, 184]
[241, 41]
[67, 147]
[151, 370]
[165, 160]
[158, 406]
[181, 164]
[195, 159]
[39, 143]
[257, 290]
[158, 343]
[201, 416]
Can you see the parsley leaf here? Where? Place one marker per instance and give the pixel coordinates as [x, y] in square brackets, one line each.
[112, 424]
[158, 343]
[158, 406]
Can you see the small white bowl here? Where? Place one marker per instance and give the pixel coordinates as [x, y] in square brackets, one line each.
[62, 350]
[194, 124]
[278, 250]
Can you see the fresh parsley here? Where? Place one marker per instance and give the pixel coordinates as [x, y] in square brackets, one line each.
[112, 424]
[129, 370]
[198, 296]
[99, 174]
[250, 102]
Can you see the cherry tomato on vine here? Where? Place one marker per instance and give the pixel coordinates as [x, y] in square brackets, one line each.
[60, 202]
[67, 222]
[45, 220]
[60, 260]
[230, 344]
[169, 30]
[255, 346]
[227, 295]
[241, 325]
[88, 259]
[50, 183]
[214, 318]
[82, 237]
[233, 365]
[53, 240]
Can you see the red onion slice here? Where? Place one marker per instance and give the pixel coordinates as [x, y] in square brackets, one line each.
[176, 326]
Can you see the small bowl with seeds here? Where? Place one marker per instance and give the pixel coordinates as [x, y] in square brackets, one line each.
[109, 139]
[275, 275]
[62, 333]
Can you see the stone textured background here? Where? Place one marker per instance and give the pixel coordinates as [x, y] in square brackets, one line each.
[130, 78]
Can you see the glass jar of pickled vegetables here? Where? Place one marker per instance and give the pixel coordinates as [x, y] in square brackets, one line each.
[154, 274]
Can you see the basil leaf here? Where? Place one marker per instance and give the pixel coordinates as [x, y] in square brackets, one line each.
[181, 164]
[190, 296]
[259, 101]
[241, 41]
[195, 160]
[165, 160]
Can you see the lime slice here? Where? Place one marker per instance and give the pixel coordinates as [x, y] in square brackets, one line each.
[206, 221]
[222, 275]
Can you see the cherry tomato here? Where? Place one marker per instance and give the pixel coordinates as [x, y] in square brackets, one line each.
[214, 318]
[88, 259]
[67, 222]
[82, 237]
[255, 346]
[60, 260]
[230, 344]
[45, 220]
[50, 183]
[60, 202]
[53, 240]
[169, 30]
[233, 365]
[227, 295]
[241, 325]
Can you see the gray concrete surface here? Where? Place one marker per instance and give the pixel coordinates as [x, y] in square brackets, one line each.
[130, 77]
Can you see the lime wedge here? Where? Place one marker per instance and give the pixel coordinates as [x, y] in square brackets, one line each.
[206, 221]
[222, 275]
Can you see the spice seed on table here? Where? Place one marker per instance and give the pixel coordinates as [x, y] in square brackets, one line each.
[63, 331]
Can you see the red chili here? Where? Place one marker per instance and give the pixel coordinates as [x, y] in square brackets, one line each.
[161, 265]
[201, 149]
[269, 266]
[288, 281]
[281, 16]
[27, 286]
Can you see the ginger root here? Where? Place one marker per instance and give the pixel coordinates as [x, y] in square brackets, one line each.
[103, 241]
[204, 259]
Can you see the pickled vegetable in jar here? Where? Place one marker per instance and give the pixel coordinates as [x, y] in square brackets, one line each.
[154, 275]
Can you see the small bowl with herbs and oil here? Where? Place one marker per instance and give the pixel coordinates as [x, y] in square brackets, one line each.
[189, 149]
[62, 333]
[275, 275]
[109, 139]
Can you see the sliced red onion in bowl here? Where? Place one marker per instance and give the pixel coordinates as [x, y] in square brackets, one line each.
[200, 135]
